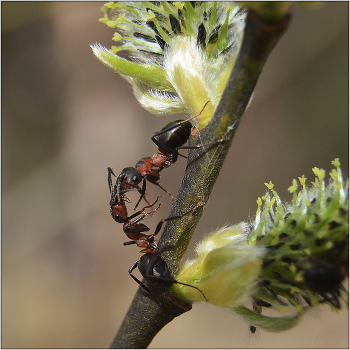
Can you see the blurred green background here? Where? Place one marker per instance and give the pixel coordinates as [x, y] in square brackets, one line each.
[66, 118]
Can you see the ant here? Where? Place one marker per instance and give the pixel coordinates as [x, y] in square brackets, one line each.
[132, 228]
[154, 269]
[131, 225]
[169, 140]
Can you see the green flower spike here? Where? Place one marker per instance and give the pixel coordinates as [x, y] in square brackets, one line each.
[291, 258]
[179, 55]
[225, 268]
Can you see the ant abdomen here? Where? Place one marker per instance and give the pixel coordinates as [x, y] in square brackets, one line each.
[175, 134]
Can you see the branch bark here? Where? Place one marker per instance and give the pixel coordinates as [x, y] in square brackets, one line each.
[144, 318]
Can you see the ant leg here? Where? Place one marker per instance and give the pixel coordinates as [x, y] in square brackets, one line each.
[130, 242]
[201, 146]
[150, 205]
[142, 192]
[157, 184]
[132, 226]
[128, 227]
[181, 155]
[161, 222]
[132, 268]
[142, 211]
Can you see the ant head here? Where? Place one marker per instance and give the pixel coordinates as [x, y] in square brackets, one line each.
[130, 176]
[119, 213]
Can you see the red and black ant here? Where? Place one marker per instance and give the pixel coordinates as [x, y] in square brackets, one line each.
[169, 140]
[131, 224]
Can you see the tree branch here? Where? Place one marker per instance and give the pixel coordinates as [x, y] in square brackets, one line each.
[144, 318]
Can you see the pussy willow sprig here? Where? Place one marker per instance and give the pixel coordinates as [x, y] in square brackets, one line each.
[292, 257]
[179, 55]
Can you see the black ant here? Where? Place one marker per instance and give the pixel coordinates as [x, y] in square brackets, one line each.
[154, 269]
[169, 140]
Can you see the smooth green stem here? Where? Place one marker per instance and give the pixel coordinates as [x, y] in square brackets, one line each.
[145, 318]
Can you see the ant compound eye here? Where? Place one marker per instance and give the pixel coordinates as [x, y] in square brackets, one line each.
[136, 179]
